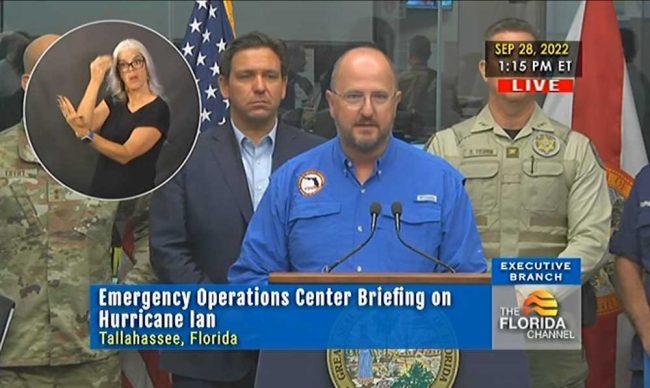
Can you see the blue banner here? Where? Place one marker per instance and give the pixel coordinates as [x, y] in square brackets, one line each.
[227, 317]
[536, 270]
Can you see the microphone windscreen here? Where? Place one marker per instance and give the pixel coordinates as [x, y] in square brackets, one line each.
[396, 208]
[375, 208]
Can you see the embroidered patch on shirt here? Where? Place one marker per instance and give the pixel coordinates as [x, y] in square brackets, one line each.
[480, 152]
[512, 152]
[644, 203]
[427, 198]
[546, 144]
[20, 173]
[311, 182]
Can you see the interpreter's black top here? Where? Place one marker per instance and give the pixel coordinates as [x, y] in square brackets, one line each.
[114, 180]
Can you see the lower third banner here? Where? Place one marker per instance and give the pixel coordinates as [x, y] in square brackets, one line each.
[176, 317]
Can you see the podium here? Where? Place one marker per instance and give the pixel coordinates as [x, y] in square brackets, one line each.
[299, 369]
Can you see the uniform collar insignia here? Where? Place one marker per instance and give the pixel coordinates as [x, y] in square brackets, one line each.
[484, 121]
[539, 121]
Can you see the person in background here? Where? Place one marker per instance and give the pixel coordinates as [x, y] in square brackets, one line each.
[416, 114]
[53, 245]
[538, 190]
[12, 48]
[198, 219]
[299, 88]
[631, 245]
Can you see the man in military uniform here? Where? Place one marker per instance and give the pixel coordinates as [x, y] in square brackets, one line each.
[631, 245]
[537, 188]
[53, 245]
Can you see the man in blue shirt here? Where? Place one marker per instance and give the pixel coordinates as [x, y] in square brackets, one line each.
[316, 208]
[631, 245]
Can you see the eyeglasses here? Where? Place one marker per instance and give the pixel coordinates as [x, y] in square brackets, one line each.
[356, 99]
[136, 64]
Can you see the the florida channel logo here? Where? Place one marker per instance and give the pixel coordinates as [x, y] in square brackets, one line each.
[538, 318]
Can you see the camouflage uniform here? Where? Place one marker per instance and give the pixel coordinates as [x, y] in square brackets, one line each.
[543, 193]
[136, 211]
[53, 245]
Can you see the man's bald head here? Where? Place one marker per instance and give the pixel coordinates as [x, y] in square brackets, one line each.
[363, 101]
[354, 54]
[33, 52]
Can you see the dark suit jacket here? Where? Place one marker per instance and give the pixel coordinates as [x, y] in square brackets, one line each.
[197, 223]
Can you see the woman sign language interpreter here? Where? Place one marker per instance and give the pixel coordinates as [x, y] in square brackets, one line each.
[128, 128]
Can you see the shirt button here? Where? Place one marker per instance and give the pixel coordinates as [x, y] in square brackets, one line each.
[359, 229]
[257, 163]
[359, 268]
[259, 187]
[379, 172]
[363, 191]
[349, 164]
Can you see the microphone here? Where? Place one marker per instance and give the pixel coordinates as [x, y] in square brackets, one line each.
[375, 210]
[396, 209]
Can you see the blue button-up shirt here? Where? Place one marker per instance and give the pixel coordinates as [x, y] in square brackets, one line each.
[257, 160]
[632, 240]
[315, 211]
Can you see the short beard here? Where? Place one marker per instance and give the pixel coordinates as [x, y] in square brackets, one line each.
[366, 146]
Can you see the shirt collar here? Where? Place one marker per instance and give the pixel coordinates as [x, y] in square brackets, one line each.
[342, 160]
[538, 121]
[239, 135]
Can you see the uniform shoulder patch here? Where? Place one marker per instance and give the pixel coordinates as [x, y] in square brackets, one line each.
[311, 182]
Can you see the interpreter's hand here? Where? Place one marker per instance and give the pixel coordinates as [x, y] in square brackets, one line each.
[99, 66]
[74, 120]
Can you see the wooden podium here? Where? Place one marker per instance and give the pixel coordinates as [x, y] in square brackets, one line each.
[299, 369]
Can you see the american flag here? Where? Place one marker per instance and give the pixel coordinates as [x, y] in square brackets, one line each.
[210, 29]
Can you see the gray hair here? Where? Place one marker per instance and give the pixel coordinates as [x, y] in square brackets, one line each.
[115, 84]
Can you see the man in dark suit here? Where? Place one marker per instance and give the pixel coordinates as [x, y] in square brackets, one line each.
[198, 219]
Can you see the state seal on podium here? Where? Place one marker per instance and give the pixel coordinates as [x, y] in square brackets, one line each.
[385, 368]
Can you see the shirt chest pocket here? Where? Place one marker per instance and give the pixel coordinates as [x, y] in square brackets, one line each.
[74, 217]
[481, 184]
[315, 223]
[420, 226]
[643, 228]
[543, 186]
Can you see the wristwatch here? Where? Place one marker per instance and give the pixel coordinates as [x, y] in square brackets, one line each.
[89, 137]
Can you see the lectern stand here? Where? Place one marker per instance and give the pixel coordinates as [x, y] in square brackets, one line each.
[300, 369]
